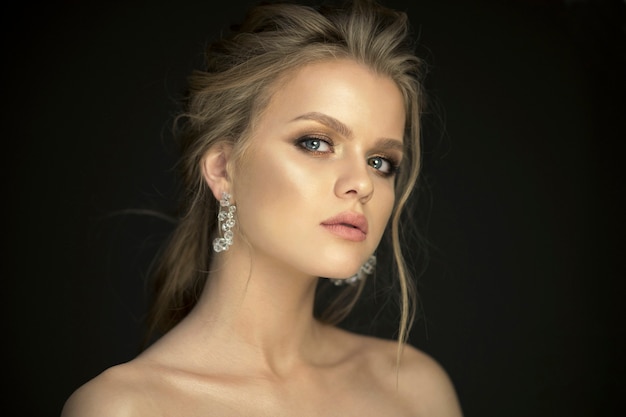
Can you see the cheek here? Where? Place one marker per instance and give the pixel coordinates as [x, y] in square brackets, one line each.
[270, 179]
[276, 188]
[384, 206]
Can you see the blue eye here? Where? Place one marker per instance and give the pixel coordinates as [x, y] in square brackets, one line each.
[384, 165]
[315, 145]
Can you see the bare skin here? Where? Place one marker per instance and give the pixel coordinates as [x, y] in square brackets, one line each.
[251, 346]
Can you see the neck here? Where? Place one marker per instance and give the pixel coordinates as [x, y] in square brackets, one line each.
[251, 302]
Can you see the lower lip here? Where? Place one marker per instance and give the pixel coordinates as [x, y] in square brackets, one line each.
[345, 232]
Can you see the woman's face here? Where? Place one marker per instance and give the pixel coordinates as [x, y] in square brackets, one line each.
[316, 189]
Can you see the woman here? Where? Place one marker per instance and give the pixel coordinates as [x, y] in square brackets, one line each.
[299, 150]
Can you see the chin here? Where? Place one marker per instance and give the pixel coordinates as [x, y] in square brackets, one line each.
[342, 272]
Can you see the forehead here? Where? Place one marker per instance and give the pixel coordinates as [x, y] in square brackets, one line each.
[343, 89]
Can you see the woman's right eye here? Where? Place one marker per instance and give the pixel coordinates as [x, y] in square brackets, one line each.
[315, 145]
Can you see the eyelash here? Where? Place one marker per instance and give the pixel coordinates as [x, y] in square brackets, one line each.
[393, 163]
[301, 143]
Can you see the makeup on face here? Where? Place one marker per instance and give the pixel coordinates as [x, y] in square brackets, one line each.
[318, 186]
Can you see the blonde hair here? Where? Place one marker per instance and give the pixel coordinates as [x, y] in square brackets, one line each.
[226, 97]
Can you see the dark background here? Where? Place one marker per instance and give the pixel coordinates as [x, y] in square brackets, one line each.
[522, 297]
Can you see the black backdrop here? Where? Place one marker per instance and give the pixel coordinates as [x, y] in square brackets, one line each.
[524, 139]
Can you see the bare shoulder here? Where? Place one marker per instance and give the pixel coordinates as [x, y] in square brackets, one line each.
[425, 384]
[419, 381]
[112, 393]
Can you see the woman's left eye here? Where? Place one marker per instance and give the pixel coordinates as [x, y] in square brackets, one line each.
[383, 165]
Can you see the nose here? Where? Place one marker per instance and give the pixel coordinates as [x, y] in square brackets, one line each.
[354, 181]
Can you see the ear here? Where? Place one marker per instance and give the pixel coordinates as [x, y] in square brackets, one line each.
[215, 169]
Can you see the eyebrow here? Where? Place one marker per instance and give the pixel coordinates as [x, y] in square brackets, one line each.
[344, 130]
[328, 121]
[388, 143]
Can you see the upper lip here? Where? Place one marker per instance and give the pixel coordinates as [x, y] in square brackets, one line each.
[348, 218]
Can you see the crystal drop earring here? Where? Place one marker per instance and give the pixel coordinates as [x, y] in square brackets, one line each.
[225, 222]
[366, 269]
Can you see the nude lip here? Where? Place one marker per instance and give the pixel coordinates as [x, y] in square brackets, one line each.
[347, 225]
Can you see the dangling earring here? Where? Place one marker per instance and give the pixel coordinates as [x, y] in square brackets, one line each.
[225, 222]
[366, 269]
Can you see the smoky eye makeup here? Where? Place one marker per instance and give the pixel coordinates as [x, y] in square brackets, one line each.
[315, 144]
[384, 158]
[385, 165]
